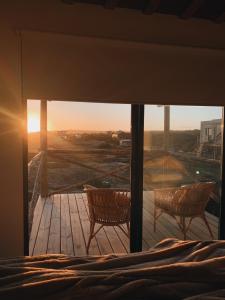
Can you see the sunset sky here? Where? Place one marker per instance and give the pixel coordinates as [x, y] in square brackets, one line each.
[94, 116]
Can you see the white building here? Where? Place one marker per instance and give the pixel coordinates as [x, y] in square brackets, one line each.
[125, 142]
[211, 131]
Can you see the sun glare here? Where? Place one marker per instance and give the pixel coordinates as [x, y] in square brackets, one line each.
[33, 123]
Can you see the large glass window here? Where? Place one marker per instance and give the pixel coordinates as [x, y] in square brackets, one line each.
[182, 172]
[88, 151]
[88, 179]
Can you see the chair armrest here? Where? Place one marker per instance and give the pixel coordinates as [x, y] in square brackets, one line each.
[163, 192]
[164, 198]
[88, 187]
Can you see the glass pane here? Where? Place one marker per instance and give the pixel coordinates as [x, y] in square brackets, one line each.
[182, 172]
[88, 179]
[33, 139]
[33, 127]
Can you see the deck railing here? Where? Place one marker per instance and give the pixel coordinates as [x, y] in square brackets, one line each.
[115, 172]
[35, 162]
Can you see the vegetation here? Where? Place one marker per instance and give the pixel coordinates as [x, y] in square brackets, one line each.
[98, 159]
[184, 141]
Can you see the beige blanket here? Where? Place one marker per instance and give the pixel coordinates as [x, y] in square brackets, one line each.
[172, 269]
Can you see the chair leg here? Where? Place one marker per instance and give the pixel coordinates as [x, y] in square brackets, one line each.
[183, 226]
[189, 224]
[157, 214]
[207, 225]
[92, 226]
[128, 228]
[154, 225]
[124, 231]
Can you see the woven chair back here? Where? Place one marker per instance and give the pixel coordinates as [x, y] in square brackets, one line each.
[108, 206]
[192, 200]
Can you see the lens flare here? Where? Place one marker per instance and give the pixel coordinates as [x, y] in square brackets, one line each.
[33, 123]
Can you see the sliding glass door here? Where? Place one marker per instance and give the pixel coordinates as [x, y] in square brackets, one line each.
[170, 163]
[182, 172]
[87, 169]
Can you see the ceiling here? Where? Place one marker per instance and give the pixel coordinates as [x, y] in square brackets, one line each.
[204, 9]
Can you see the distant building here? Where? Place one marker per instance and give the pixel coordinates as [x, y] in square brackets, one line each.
[121, 135]
[125, 142]
[211, 131]
[210, 139]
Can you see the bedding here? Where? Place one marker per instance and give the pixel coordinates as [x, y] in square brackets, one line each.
[172, 269]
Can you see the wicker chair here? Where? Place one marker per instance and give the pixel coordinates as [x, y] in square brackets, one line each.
[107, 207]
[185, 202]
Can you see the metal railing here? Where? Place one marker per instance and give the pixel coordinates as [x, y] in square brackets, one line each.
[36, 162]
[101, 172]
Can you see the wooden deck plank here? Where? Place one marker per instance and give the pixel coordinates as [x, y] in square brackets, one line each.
[86, 225]
[149, 240]
[197, 222]
[213, 220]
[118, 240]
[199, 226]
[197, 229]
[112, 235]
[148, 234]
[168, 225]
[103, 241]
[61, 224]
[66, 231]
[125, 241]
[36, 223]
[163, 225]
[101, 237]
[43, 232]
[77, 230]
[55, 230]
[145, 244]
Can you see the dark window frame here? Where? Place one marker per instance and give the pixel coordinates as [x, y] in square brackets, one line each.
[136, 226]
[137, 134]
[221, 234]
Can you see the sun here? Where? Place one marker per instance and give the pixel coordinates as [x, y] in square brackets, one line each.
[33, 123]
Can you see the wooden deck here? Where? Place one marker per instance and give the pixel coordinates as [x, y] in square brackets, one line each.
[61, 225]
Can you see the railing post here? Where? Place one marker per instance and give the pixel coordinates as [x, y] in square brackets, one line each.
[43, 142]
[222, 199]
[166, 127]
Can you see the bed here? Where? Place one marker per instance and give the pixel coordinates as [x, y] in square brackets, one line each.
[172, 269]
